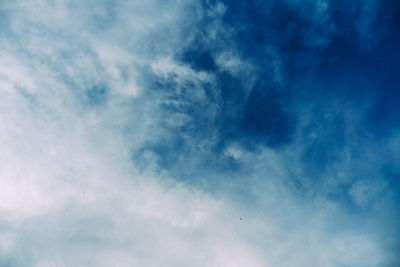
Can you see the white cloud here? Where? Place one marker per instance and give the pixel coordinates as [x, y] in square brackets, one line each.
[69, 192]
[70, 195]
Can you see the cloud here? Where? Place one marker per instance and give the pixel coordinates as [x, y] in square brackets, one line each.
[172, 133]
[70, 195]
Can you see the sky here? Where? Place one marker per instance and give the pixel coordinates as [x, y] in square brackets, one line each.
[200, 133]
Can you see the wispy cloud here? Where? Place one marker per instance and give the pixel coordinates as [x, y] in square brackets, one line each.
[177, 133]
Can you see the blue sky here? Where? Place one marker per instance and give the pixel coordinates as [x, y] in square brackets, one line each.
[199, 133]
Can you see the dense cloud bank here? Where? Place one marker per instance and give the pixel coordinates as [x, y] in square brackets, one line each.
[199, 133]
